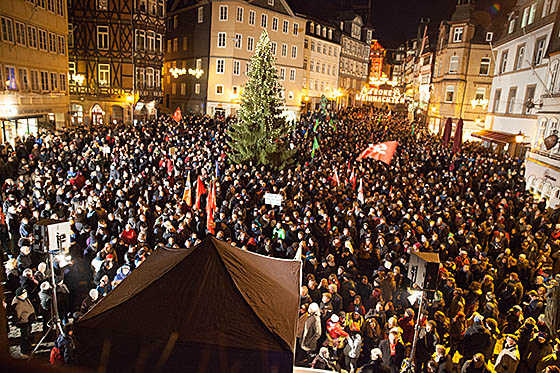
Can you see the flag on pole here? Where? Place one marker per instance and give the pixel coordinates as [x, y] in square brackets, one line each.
[187, 195]
[353, 179]
[458, 138]
[335, 178]
[361, 192]
[316, 124]
[348, 169]
[177, 115]
[217, 169]
[210, 207]
[315, 146]
[200, 190]
[382, 152]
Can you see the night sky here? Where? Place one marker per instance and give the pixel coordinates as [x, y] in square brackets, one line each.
[397, 20]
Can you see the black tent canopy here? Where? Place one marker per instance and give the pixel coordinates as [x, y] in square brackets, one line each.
[216, 307]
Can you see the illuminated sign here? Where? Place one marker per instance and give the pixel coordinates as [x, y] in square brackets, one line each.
[480, 102]
[376, 94]
[197, 73]
[176, 72]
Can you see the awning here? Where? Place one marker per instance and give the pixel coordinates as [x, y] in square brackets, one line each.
[495, 136]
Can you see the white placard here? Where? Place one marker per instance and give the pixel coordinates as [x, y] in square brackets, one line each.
[273, 199]
[106, 149]
[59, 235]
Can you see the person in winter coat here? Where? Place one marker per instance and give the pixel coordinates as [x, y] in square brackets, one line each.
[477, 339]
[376, 364]
[443, 360]
[508, 358]
[24, 315]
[65, 342]
[426, 345]
[475, 365]
[538, 348]
[550, 360]
[322, 360]
[311, 329]
[457, 330]
[352, 349]
[335, 333]
[393, 352]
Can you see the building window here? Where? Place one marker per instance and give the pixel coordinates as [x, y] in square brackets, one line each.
[458, 35]
[274, 47]
[294, 51]
[274, 23]
[23, 82]
[141, 40]
[200, 12]
[220, 66]
[238, 41]
[60, 8]
[61, 45]
[449, 93]
[532, 13]
[173, 88]
[239, 14]
[511, 99]
[484, 66]
[489, 36]
[101, 4]
[219, 89]
[282, 73]
[140, 78]
[306, 43]
[250, 43]
[520, 56]
[525, 17]
[198, 64]
[70, 35]
[62, 78]
[453, 64]
[312, 46]
[102, 37]
[175, 44]
[497, 95]
[159, 43]
[183, 89]
[7, 30]
[221, 39]
[150, 77]
[104, 74]
[197, 89]
[236, 67]
[32, 36]
[284, 52]
[539, 51]
[52, 42]
[318, 30]
[44, 81]
[50, 6]
[264, 20]
[503, 63]
[285, 27]
[20, 33]
[151, 41]
[34, 80]
[54, 82]
[529, 97]
[553, 76]
[223, 12]
[546, 8]
[296, 30]
[252, 16]
[480, 93]
[292, 75]
[511, 27]
[271, 2]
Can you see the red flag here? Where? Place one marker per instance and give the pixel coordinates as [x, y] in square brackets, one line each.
[371, 113]
[382, 152]
[361, 192]
[458, 138]
[210, 221]
[348, 169]
[177, 115]
[187, 195]
[353, 179]
[447, 131]
[200, 190]
[210, 207]
[329, 224]
[335, 178]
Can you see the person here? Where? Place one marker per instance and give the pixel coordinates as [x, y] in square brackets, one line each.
[475, 365]
[376, 364]
[322, 360]
[426, 345]
[477, 339]
[552, 359]
[311, 330]
[65, 342]
[25, 316]
[443, 360]
[352, 349]
[89, 301]
[538, 348]
[508, 359]
[393, 352]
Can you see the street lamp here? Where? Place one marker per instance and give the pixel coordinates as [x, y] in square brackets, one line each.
[519, 137]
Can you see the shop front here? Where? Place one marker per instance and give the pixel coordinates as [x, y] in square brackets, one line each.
[13, 128]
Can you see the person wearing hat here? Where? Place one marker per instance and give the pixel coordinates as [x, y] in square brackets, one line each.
[551, 360]
[536, 350]
[477, 338]
[508, 359]
[311, 330]
[25, 316]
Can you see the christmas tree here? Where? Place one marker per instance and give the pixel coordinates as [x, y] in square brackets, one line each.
[260, 134]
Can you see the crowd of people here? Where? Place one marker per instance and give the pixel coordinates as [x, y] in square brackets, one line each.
[123, 190]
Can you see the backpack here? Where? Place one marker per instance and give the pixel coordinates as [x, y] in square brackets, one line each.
[56, 357]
